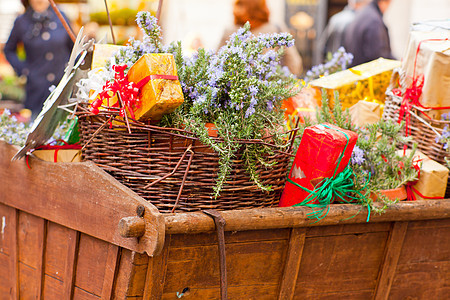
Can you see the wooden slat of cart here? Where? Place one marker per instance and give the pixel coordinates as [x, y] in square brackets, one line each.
[71, 182]
[393, 249]
[69, 268]
[291, 269]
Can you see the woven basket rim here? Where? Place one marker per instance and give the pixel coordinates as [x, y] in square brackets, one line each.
[113, 113]
[421, 110]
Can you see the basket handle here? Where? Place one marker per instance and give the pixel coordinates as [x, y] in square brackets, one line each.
[174, 169]
[184, 179]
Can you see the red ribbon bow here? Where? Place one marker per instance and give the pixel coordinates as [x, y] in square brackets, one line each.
[126, 90]
[412, 94]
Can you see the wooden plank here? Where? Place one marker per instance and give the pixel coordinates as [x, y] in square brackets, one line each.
[137, 281]
[5, 277]
[434, 243]
[333, 264]
[70, 265]
[250, 264]
[110, 271]
[14, 254]
[28, 282]
[53, 288]
[353, 295]
[91, 261]
[389, 265]
[292, 266]
[287, 217]
[79, 196]
[59, 239]
[333, 230]
[438, 223]
[80, 294]
[5, 225]
[8, 254]
[42, 238]
[124, 270]
[425, 280]
[260, 292]
[156, 274]
[208, 239]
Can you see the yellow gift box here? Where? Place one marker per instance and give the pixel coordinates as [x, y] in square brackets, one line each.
[102, 53]
[59, 155]
[367, 82]
[433, 177]
[162, 94]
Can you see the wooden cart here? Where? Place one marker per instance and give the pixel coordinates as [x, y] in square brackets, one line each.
[60, 239]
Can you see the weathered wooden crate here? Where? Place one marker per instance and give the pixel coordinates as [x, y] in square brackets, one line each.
[59, 239]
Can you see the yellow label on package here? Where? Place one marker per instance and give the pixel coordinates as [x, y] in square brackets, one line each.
[162, 94]
[62, 155]
[367, 82]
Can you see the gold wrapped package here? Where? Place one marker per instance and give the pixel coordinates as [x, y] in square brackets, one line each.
[367, 82]
[162, 94]
[433, 178]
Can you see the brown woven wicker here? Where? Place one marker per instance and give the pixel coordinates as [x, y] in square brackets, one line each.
[422, 129]
[172, 169]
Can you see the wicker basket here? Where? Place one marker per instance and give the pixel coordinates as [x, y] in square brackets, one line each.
[423, 130]
[172, 169]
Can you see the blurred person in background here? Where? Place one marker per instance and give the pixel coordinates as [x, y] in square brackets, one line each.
[332, 38]
[257, 13]
[367, 37]
[47, 49]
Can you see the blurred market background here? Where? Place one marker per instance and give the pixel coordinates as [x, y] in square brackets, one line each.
[201, 23]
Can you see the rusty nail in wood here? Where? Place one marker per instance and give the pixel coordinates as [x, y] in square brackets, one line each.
[140, 211]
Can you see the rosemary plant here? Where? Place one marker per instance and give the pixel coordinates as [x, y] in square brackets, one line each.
[240, 89]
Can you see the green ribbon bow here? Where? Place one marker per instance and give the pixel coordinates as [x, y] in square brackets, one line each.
[339, 186]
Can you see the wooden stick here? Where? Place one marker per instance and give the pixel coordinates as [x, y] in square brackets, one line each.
[125, 110]
[110, 23]
[63, 21]
[289, 217]
[158, 12]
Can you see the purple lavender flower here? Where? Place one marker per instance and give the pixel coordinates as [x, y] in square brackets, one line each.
[357, 156]
[250, 111]
[147, 22]
[253, 91]
[270, 104]
[200, 99]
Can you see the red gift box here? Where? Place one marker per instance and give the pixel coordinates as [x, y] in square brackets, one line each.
[321, 149]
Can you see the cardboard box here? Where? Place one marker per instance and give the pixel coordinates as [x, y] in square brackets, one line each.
[364, 113]
[433, 177]
[432, 61]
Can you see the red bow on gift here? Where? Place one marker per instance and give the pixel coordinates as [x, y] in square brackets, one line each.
[412, 93]
[128, 92]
